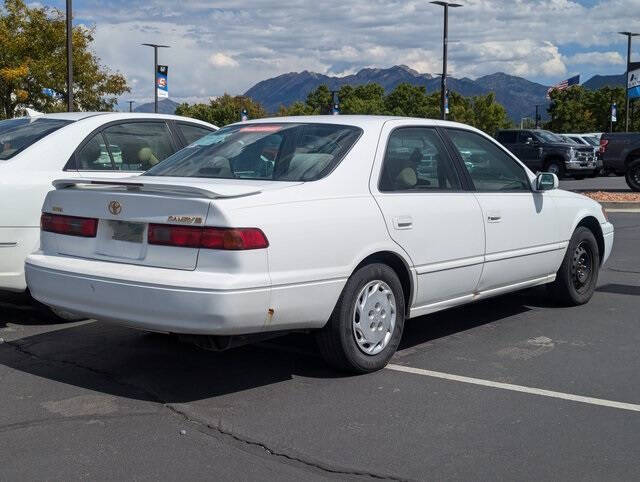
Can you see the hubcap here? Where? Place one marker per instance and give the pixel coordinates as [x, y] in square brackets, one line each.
[582, 267]
[635, 176]
[374, 317]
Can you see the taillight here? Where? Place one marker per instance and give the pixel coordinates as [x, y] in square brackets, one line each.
[236, 239]
[603, 145]
[69, 225]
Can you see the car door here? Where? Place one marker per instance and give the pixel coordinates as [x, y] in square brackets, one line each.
[125, 149]
[429, 214]
[523, 242]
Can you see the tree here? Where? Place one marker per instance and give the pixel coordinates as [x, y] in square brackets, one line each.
[488, 115]
[33, 58]
[223, 110]
[412, 101]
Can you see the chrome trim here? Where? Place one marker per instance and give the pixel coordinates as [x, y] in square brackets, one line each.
[9, 244]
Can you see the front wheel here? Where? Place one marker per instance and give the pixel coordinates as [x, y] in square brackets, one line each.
[366, 325]
[555, 167]
[578, 275]
[633, 175]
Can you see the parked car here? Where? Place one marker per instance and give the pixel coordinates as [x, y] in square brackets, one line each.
[545, 151]
[591, 140]
[620, 154]
[348, 232]
[36, 150]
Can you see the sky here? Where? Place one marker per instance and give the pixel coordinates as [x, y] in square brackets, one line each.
[227, 46]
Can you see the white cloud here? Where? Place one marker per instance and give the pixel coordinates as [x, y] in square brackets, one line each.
[596, 58]
[222, 60]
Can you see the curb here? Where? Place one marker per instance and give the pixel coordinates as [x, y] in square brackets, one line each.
[621, 206]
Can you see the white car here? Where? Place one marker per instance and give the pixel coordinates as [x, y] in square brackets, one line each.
[36, 150]
[316, 223]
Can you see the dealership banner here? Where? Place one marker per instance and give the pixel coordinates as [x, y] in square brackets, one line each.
[634, 80]
[162, 82]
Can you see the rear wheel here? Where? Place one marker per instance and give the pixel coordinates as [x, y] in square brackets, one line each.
[555, 166]
[633, 175]
[577, 277]
[366, 325]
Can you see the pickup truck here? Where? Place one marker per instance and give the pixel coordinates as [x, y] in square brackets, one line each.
[545, 151]
[620, 153]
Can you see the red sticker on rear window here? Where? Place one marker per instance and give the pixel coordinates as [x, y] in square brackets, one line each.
[260, 128]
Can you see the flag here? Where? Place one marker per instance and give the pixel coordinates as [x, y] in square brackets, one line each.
[575, 80]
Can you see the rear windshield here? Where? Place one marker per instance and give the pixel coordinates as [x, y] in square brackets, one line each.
[279, 152]
[18, 134]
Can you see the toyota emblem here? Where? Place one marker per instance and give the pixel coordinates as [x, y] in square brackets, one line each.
[115, 208]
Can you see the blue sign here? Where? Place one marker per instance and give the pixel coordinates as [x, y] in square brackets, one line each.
[634, 84]
[162, 81]
[614, 113]
[51, 93]
[446, 102]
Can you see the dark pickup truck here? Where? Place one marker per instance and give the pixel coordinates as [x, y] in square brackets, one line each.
[545, 151]
[620, 153]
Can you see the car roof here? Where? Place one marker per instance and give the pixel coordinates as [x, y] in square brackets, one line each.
[114, 116]
[363, 121]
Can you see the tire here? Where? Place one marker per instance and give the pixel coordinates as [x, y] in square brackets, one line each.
[632, 175]
[65, 316]
[578, 275]
[556, 166]
[346, 342]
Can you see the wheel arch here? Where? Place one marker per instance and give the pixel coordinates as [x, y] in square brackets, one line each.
[401, 267]
[593, 225]
[632, 156]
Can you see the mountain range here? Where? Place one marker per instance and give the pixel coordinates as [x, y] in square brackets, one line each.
[519, 96]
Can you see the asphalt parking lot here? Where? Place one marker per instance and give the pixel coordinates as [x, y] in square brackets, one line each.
[509, 388]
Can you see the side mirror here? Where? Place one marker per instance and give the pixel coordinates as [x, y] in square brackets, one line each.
[546, 181]
[529, 141]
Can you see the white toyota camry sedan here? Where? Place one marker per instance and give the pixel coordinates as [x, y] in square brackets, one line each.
[344, 226]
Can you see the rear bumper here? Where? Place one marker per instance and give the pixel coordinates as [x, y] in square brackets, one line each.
[149, 306]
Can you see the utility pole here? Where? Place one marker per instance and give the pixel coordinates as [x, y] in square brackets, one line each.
[335, 102]
[131, 102]
[626, 80]
[69, 56]
[537, 117]
[155, 72]
[445, 42]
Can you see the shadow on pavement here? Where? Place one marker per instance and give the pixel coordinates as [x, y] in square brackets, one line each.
[620, 289]
[147, 366]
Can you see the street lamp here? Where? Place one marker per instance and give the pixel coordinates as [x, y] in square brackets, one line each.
[131, 102]
[69, 56]
[626, 81]
[445, 41]
[155, 72]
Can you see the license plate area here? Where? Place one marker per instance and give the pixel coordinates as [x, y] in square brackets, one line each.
[126, 231]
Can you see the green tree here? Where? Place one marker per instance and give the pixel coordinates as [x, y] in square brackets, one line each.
[489, 115]
[365, 99]
[412, 101]
[223, 110]
[569, 110]
[33, 57]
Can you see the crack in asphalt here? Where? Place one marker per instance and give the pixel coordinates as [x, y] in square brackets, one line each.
[153, 397]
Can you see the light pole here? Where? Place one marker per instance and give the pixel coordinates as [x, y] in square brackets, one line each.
[626, 80]
[155, 72]
[69, 56]
[445, 41]
[131, 102]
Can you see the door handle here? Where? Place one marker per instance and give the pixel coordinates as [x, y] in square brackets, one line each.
[403, 222]
[494, 216]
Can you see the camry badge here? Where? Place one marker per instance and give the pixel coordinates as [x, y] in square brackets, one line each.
[115, 208]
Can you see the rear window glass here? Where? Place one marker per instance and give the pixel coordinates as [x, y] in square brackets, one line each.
[18, 134]
[279, 152]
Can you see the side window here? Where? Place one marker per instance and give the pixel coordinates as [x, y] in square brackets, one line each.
[490, 168]
[94, 156]
[138, 146]
[192, 132]
[416, 160]
[523, 136]
[508, 137]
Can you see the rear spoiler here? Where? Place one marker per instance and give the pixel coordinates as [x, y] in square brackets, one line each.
[152, 187]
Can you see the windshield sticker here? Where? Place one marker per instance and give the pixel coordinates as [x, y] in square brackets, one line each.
[260, 128]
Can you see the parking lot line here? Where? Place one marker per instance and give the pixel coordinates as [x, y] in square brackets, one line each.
[516, 388]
